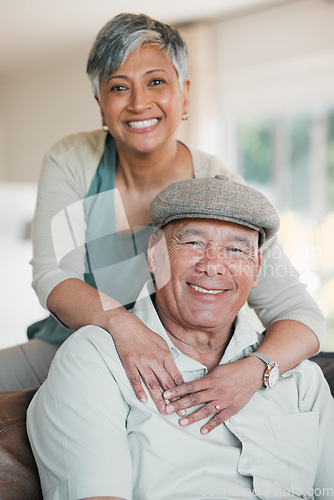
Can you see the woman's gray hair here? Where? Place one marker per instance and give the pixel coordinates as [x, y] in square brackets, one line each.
[126, 33]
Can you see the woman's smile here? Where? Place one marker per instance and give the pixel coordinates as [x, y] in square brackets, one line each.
[143, 125]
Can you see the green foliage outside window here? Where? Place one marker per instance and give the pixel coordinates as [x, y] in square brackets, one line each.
[256, 151]
[307, 238]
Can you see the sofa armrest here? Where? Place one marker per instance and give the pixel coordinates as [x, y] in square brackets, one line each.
[326, 362]
[18, 471]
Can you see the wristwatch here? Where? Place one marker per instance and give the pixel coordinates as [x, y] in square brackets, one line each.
[271, 374]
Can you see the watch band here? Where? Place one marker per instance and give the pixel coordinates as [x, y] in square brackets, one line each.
[261, 356]
[271, 373]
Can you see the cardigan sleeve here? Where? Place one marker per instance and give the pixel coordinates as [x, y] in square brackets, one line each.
[59, 225]
[281, 295]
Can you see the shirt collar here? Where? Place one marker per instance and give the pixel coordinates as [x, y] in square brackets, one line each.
[244, 338]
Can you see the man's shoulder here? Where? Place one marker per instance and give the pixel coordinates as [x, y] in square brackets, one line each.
[89, 341]
[310, 383]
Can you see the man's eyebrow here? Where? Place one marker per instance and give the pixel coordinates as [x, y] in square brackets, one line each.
[242, 241]
[186, 233]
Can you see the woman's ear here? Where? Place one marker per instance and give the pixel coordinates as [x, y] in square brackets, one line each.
[101, 112]
[185, 97]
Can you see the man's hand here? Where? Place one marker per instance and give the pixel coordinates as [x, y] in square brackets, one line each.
[228, 387]
[145, 355]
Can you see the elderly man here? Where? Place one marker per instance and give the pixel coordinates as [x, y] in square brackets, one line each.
[91, 436]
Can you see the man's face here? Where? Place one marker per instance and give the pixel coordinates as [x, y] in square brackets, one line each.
[212, 267]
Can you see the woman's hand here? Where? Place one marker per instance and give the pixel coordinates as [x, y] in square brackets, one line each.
[223, 392]
[144, 354]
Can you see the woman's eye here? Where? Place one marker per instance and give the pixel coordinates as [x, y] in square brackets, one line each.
[117, 88]
[156, 81]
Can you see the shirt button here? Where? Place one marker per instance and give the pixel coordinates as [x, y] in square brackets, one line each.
[248, 465]
[232, 421]
[174, 352]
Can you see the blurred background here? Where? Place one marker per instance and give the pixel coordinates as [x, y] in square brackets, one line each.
[262, 99]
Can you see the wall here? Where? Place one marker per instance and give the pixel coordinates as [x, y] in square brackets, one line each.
[273, 57]
[280, 57]
[38, 106]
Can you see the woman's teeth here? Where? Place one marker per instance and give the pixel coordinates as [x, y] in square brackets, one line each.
[143, 124]
[204, 290]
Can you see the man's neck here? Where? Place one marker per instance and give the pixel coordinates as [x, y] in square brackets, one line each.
[207, 354]
[206, 346]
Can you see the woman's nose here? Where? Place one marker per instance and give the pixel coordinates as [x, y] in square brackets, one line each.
[139, 99]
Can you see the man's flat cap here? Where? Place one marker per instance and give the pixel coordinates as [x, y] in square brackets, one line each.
[216, 198]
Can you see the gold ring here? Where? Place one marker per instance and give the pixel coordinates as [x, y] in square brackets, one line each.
[216, 406]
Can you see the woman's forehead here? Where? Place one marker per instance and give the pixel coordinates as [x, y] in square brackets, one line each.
[148, 54]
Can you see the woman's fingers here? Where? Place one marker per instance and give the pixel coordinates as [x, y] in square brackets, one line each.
[156, 376]
[182, 389]
[135, 381]
[221, 393]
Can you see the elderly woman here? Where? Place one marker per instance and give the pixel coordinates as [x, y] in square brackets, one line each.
[91, 230]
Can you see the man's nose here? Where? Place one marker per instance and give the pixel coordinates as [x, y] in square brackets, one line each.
[213, 262]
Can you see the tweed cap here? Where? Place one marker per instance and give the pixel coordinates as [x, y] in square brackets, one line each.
[216, 198]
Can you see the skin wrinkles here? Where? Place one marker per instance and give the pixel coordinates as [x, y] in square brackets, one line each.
[197, 321]
[236, 252]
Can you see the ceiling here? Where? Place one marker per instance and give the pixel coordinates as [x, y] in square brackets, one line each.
[30, 29]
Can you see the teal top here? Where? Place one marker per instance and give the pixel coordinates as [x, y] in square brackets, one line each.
[116, 262]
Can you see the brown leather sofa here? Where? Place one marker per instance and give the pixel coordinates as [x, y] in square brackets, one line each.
[18, 472]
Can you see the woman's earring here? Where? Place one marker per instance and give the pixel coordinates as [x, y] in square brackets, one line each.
[185, 116]
[104, 127]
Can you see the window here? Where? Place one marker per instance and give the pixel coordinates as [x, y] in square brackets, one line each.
[291, 159]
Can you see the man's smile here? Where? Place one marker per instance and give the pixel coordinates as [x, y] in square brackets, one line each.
[205, 290]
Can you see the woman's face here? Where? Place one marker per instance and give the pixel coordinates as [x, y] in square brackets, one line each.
[142, 102]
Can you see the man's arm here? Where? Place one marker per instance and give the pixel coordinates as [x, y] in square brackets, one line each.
[76, 423]
[102, 498]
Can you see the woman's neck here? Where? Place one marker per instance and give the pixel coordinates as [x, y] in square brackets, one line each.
[154, 170]
[139, 178]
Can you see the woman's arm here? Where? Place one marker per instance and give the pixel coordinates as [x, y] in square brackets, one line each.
[232, 385]
[143, 353]
[281, 296]
[67, 172]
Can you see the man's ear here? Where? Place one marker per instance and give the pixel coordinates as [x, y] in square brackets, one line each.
[257, 266]
[151, 252]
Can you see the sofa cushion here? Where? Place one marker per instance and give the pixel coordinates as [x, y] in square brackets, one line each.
[18, 472]
[326, 362]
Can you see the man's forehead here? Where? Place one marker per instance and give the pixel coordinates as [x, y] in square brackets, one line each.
[210, 227]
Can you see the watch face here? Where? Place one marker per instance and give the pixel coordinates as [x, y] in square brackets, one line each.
[273, 376]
